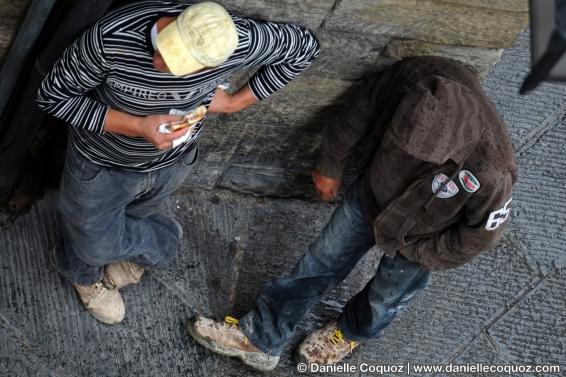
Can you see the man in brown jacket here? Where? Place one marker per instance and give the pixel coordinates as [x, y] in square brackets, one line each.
[434, 191]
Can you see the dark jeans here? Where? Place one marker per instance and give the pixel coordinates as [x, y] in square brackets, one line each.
[283, 302]
[111, 215]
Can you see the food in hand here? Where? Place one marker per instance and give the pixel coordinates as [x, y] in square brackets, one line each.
[188, 120]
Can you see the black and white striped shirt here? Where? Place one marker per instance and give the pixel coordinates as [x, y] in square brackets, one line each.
[111, 65]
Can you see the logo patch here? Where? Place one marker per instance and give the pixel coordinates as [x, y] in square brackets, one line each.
[496, 218]
[443, 187]
[468, 181]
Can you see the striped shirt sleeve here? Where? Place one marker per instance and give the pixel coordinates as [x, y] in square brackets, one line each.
[283, 51]
[63, 92]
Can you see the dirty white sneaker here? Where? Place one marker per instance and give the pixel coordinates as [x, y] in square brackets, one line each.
[120, 274]
[225, 338]
[104, 304]
[325, 346]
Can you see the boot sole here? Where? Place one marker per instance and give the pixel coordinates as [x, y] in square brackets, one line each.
[300, 358]
[230, 352]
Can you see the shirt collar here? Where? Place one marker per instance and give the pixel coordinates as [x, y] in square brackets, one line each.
[153, 36]
[148, 31]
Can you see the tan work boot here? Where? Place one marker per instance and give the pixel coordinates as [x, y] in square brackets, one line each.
[120, 274]
[104, 304]
[325, 346]
[227, 339]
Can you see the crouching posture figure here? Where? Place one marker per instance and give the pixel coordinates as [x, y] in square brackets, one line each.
[434, 191]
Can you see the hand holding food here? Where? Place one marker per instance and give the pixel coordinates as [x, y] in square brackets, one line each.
[188, 120]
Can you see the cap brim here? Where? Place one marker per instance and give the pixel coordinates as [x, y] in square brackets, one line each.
[177, 57]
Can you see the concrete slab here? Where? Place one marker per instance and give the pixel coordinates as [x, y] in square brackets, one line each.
[479, 60]
[312, 95]
[218, 143]
[540, 198]
[430, 21]
[272, 161]
[309, 13]
[17, 357]
[506, 5]
[482, 351]
[363, 53]
[36, 303]
[215, 227]
[533, 331]
[531, 115]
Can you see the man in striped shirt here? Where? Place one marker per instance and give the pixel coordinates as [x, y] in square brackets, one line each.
[114, 85]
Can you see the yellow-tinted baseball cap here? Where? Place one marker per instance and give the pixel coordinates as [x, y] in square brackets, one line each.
[203, 35]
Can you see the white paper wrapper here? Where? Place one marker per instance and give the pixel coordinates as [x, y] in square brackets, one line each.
[190, 119]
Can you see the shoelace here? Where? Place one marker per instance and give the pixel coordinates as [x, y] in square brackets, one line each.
[338, 338]
[235, 324]
[89, 293]
[133, 268]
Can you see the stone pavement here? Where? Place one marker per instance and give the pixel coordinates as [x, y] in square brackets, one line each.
[249, 213]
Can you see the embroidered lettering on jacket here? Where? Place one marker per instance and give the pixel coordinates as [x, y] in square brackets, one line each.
[496, 218]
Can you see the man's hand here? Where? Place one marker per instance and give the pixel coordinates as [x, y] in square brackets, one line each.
[223, 102]
[148, 128]
[326, 187]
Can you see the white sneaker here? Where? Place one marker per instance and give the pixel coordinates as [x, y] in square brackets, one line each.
[121, 274]
[225, 338]
[325, 346]
[104, 304]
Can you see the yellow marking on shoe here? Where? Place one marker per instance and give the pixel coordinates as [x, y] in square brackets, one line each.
[234, 323]
[338, 338]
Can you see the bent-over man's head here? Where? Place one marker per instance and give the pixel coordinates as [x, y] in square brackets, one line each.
[202, 36]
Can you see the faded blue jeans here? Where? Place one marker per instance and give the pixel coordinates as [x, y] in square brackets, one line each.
[283, 302]
[112, 215]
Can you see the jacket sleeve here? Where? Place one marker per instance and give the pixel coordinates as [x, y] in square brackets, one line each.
[63, 92]
[486, 217]
[347, 129]
[282, 51]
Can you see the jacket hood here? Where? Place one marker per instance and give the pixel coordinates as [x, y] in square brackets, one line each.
[439, 119]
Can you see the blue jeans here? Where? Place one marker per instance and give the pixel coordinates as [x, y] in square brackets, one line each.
[112, 215]
[283, 302]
